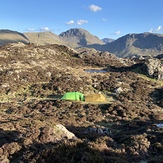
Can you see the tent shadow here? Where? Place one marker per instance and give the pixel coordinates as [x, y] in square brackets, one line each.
[54, 96]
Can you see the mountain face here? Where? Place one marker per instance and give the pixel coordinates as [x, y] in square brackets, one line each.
[9, 36]
[43, 38]
[77, 37]
[136, 44]
[107, 40]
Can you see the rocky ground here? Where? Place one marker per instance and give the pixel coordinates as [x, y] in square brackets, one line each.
[36, 126]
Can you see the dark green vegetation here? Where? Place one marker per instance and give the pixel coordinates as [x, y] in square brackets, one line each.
[120, 131]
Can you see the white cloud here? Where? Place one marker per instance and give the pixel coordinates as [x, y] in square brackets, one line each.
[70, 22]
[155, 30]
[117, 33]
[158, 28]
[80, 22]
[95, 8]
[151, 31]
[44, 29]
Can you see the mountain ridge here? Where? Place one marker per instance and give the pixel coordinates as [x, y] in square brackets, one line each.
[133, 44]
[43, 38]
[8, 36]
[136, 44]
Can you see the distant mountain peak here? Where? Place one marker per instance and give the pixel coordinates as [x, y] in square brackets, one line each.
[107, 40]
[78, 37]
[74, 32]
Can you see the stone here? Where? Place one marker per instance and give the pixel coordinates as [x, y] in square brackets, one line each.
[154, 68]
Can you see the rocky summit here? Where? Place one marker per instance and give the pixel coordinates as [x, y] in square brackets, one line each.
[36, 126]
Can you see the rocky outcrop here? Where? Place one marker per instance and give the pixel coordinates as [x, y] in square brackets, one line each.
[154, 68]
[56, 133]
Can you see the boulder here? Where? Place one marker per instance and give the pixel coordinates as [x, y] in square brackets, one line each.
[54, 134]
[62, 132]
[154, 68]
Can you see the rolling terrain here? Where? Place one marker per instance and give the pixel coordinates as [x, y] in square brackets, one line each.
[32, 115]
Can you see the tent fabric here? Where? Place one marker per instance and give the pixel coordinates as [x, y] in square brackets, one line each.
[95, 98]
[77, 96]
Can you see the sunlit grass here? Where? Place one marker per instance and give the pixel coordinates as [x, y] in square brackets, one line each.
[158, 82]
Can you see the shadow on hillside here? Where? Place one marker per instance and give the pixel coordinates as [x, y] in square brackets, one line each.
[68, 152]
[157, 96]
[54, 96]
[7, 41]
[137, 68]
[119, 129]
[7, 136]
[96, 47]
[136, 136]
[126, 144]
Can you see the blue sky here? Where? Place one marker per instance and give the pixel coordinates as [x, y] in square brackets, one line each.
[103, 18]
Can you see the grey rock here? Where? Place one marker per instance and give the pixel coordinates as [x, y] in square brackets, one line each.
[154, 68]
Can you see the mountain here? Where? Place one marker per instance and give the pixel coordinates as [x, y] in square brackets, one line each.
[9, 36]
[78, 37]
[43, 38]
[136, 44]
[107, 40]
[142, 44]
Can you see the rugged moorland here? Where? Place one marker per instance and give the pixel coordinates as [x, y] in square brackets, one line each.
[37, 126]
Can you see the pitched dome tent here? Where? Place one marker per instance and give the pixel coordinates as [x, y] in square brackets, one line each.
[76, 96]
[95, 98]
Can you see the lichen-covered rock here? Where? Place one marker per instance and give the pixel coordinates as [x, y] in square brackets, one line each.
[54, 134]
[61, 132]
[154, 68]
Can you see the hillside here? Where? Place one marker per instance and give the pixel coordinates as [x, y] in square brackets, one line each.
[43, 38]
[136, 44]
[77, 37]
[9, 36]
[37, 126]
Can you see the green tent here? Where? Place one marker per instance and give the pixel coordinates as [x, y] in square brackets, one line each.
[77, 96]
